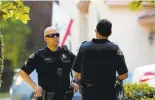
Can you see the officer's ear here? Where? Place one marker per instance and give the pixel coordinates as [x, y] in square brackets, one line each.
[45, 38]
[110, 33]
[98, 34]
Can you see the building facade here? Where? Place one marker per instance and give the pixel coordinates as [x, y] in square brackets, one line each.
[134, 35]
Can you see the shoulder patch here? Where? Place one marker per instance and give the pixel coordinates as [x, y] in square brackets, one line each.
[119, 52]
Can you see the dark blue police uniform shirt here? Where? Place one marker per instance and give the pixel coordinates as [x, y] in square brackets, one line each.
[99, 60]
[47, 67]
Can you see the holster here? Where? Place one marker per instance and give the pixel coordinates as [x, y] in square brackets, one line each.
[41, 97]
[48, 95]
[69, 94]
[85, 84]
[119, 90]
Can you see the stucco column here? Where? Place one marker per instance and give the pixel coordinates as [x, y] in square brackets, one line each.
[83, 26]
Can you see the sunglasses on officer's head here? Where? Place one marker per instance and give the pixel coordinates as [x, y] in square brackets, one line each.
[53, 35]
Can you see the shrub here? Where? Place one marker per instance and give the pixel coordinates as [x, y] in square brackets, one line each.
[141, 91]
[1, 57]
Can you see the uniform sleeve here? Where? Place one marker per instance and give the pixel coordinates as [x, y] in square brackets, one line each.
[30, 64]
[120, 63]
[72, 56]
[78, 62]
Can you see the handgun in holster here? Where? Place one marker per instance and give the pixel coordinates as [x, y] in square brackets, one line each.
[85, 84]
[69, 94]
[48, 95]
[119, 89]
[41, 97]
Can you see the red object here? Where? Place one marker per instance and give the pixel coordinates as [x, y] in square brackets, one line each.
[67, 32]
[147, 18]
[147, 76]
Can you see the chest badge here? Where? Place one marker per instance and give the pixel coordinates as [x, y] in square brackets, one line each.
[64, 57]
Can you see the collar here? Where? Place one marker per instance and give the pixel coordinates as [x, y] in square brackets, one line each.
[48, 50]
[100, 40]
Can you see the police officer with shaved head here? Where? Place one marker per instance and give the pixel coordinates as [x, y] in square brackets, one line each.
[53, 65]
[98, 61]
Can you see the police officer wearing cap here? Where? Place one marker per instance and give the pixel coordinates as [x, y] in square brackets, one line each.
[98, 61]
[53, 66]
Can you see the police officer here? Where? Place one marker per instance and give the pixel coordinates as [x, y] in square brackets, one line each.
[53, 66]
[98, 61]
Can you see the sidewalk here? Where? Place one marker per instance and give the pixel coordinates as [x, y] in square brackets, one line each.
[6, 99]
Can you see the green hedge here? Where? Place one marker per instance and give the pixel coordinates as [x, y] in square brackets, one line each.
[140, 91]
[1, 57]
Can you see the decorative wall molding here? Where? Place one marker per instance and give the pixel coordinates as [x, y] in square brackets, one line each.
[83, 6]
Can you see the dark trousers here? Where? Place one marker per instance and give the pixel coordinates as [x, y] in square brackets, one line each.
[97, 93]
[58, 95]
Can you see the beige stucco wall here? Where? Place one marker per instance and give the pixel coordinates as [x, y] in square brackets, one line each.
[127, 33]
[78, 31]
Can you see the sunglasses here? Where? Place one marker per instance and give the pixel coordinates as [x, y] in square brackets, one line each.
[53, 35]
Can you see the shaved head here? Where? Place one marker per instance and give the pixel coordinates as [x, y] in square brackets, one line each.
[49, 30]
[51, 36]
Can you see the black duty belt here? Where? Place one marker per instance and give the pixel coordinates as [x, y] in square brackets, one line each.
[88, 83]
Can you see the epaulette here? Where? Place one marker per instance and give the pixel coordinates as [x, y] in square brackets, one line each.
[65, 48]
[84, 42]
[114, 43]
[39, 50]
[32, 56]
[35, 53]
